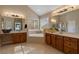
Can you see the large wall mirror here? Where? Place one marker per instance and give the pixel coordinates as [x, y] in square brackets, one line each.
[69, 21]
[17, 24]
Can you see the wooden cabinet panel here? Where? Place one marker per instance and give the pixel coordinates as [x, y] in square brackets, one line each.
[78, 46]
[16, 38]
[74, 51]
[67, 42]
[73, 43]
[23, 37]
[53, 40]
[0, 40]
[67, 49]
[48, 39]
[59, 42]
[45, 36]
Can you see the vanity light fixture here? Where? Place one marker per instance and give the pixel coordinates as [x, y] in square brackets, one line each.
[11, 14]
[64, 9]
[15, 15]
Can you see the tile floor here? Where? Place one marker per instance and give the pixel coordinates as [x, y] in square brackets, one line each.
[28, 48]
[34, 45]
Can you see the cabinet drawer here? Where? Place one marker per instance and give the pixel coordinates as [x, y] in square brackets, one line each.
[67, 39]
[59, 37]
[70, 44]
[67, 43]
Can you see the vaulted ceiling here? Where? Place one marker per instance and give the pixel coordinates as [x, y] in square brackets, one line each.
[43, 9]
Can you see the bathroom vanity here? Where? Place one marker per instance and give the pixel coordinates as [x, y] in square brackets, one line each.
[12, 30]
[13, 38]
[65, 42]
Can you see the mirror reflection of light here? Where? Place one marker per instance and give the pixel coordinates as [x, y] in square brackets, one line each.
[53, 20]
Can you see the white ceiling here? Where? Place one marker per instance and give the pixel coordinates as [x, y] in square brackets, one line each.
[43, 9]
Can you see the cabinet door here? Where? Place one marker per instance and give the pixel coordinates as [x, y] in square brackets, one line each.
[16, 38]
[23, 37]
[67, 42]
[0, 40]
[73, 43]
[45, 36]
[53, 40]
[48, 41]
[59, 42]
[78, 46]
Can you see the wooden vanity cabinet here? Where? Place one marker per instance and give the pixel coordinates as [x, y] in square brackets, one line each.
[47, 38]
[70, 45]
[59, 42]
[65, 44]
[12, 38]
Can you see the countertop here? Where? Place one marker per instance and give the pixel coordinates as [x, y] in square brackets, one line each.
[73, 35]
[14, 32]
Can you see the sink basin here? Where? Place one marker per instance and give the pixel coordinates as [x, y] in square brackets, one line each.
[6, 30]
